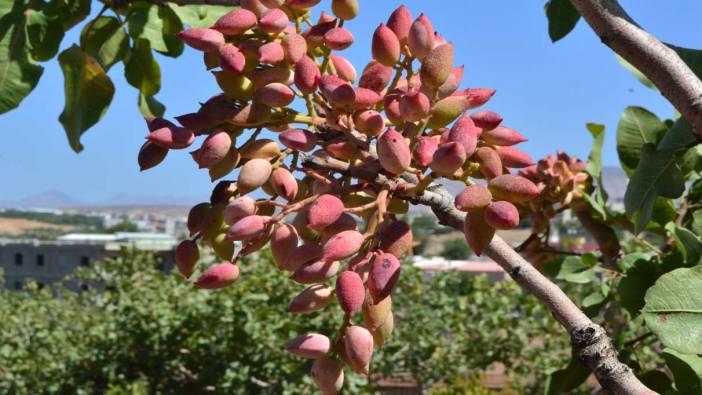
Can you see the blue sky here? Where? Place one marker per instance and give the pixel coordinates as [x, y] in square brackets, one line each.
[547, 91]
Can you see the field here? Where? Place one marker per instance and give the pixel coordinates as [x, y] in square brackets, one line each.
[19, 226]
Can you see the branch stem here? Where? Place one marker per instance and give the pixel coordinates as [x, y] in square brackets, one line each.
[656, 60]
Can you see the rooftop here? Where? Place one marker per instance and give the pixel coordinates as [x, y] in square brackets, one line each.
[116, 237]
[108, 241]
[437, 263]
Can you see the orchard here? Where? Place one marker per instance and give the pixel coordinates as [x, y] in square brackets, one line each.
[319, 159]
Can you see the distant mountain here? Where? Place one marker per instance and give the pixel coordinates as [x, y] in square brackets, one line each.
[51, 199]
[143, 200]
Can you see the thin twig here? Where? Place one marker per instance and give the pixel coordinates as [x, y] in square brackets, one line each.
[633, 342]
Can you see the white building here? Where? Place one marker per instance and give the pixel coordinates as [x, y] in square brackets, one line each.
[50, 261]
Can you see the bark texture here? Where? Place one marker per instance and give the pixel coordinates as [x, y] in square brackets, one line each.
[658, 62]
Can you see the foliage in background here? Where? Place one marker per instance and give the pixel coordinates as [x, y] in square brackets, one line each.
[81, 220]
[31, 32]
[423, 228]
[456, 249]
[154, 331]
[78, 223]
[124, 226]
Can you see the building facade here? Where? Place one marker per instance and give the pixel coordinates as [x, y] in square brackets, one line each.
[48, 262]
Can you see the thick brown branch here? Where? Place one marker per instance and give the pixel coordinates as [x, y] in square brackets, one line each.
[589, 340]
[658, 62]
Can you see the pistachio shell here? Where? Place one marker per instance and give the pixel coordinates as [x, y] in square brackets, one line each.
[328, 375]
[262, 148]
[473, 197]
[283, 242]
[218, 276]
[437, 65]
[502, 215]
[254, 174]
[477, 232]
[358, 346]
[202, 39]
[350, 292]
[393, 152]
[235, 22]
[311, 299]
[385, 46]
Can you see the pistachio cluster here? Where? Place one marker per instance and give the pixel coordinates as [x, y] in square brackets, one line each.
[561, 181]
[404, 118]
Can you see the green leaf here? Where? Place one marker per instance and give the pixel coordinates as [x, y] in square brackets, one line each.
[657, 174]
[640, 276]
[73, 12]
[663, 212]
[656, 380]
[105, 40]
[687, 371]
[593, 299]
[592, 303]
[594, 167]
[678, 137]
[589, 259]
[636, 127]
[44, 34]
[673, 310]
[88, 92]
[562, 18]
[18, 73]
[628, 261]
[697, 222]
[694, 194]
[692, 163]
[689, 244]
[199, 15]
[574, 270]
[141, 69]
[639, 75]
[158, 25]
[149, 106]
[551, 267]
[566, 379]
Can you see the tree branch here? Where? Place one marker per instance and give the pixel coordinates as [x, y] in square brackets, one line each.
[589, 340]
[658, 62]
